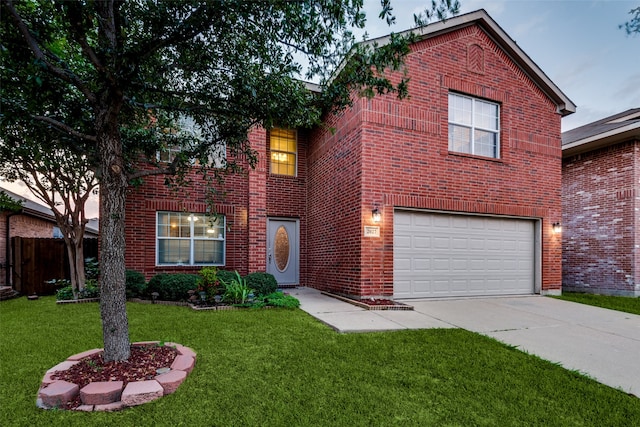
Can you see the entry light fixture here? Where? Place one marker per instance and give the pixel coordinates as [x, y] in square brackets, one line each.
[557, 227]
[376, 216]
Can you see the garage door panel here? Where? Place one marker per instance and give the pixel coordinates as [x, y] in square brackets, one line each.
[458, 255]
[422, 264]
[419, 242]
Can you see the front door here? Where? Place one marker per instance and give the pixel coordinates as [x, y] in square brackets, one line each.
[283, 251]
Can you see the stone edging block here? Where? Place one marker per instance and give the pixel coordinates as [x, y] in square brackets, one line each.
[109, 395]
[139, 392]
[101, 393]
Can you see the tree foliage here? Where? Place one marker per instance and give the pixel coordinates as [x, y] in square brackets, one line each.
[8, 203]
[632, 26]
[110, 80]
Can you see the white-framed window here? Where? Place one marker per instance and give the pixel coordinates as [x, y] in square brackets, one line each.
[283, 144]
[187, 127]
[474, 126]
[190, 239]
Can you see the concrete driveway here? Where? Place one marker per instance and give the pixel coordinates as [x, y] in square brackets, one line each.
[603, 344]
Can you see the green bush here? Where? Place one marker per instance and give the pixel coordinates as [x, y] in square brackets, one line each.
[278, 299]
[225, 276]
[209, 283]
[91, 268]
[91, 290]
[135, 283]
[172, 287]
[64, 293]
[261, 283]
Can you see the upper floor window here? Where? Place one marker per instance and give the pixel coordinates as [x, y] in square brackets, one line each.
[474, 126]
[187, 128]
[190, 239]
[284, 151]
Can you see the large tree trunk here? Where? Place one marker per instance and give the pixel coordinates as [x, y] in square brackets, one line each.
[115, 325]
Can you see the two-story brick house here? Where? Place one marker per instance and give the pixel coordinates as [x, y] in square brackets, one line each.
[451, 192]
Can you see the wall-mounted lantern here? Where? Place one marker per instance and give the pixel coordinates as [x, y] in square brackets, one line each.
[557, 227]
[376, 216]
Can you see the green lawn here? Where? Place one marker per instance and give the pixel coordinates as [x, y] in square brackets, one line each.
[626, 304]
[284, 368]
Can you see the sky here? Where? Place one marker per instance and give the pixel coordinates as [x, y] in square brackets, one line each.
[577, 43]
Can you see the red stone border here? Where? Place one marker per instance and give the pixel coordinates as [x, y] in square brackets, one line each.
[112, 395]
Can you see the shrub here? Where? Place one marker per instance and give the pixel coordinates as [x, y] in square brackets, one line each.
[236, 291]
[91, 268]
[278, 299]
[172, 287]
[91, 290]
[135, 283]
[64, 293]
[225, 276]
[210, 283]
[262, 283]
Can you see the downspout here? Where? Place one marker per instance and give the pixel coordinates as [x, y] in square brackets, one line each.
[8, 247]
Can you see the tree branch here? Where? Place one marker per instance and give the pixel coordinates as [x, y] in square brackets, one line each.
[154, 45]
[74, 16]
[152, 172]
[65, 128]
[33, 45]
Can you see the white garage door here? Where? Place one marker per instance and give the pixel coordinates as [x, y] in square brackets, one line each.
[444, 255]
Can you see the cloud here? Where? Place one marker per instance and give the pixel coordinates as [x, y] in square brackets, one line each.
[494, 8]
[628, 90]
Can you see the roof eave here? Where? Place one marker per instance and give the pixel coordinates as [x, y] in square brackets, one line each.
[604, 139]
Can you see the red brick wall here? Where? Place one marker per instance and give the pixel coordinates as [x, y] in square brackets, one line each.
[23, 226]
[399, 158]
[600, 201]
[247, 202]
[334, 193]
[153, 195]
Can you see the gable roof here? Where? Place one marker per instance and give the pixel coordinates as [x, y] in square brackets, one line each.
[34, 209]
[601, 133]
[482, 19]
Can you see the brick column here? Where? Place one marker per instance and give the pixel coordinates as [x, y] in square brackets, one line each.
[257, 201]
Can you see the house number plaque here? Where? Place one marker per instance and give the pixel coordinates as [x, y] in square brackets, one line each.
[371, 231]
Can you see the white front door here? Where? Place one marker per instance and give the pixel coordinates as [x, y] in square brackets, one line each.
[283, 251]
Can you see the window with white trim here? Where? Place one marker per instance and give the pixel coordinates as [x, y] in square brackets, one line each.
[474, 126]
[284, 151]
[190, 239]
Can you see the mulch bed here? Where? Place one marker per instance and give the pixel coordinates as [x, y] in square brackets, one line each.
[142, 365]
[373, 303]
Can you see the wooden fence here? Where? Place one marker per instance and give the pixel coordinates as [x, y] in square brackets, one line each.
[36, 261]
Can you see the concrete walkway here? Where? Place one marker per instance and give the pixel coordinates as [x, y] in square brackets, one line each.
[603, 344]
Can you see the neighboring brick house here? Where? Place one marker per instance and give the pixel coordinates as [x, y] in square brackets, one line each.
[601, 206]
[33, 220]
[452, 192]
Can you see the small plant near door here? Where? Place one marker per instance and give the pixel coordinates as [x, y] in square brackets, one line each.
[209, 285]
[237, 291]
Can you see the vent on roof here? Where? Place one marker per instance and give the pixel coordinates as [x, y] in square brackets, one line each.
[633, 116]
